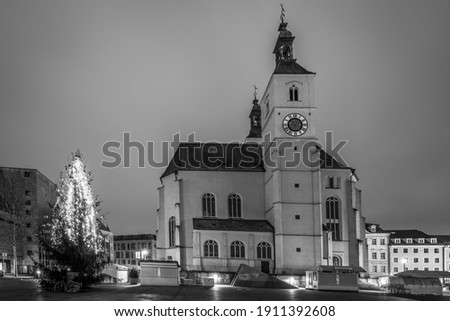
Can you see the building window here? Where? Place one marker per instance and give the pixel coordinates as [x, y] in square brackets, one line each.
[209, 205]
[436, 250]
[436, 269]
[234, 206]
[29, 239]
[425, 269]
[416, 250]
[237, 249]
[211, 249]
[28, 225]
[27, 193]
[395, 250]
[436, 260]
[27, 212]
[409, 241]
[405, 250]
[374, 256]
[263, 251]
[395, 269]
[296, 185]
[382, 242]
[133, 262]
[416, 260]
[334, 182]
[374, 269]
[395, 259]
[425, 250]
[383, 256]
[421, 241]
[433, 240]
[332, 217]
[426, 260]
[293, 93]
[298, 249]
[383, 269]
[30, 253]
[172, 231]
[27, 202]
[337, 261]
[26, 174]
[374, 241]
[297, 217]
[397, 241]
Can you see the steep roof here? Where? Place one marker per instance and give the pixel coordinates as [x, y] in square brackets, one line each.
[442, 238]
[408, 234]
[290, 67]
[216, 157]
[329, 162]
[378, 229]
[232, 225]
[245, 157]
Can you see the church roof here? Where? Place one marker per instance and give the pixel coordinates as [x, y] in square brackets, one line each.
[216, 157]
[290, 67]
[329, 162]
[232, 225]
[230, 157]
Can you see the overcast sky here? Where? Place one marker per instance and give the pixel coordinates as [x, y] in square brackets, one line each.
[80, 73]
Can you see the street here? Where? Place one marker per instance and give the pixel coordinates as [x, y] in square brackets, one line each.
[12, 289]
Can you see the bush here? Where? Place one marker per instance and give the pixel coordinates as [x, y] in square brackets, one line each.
[134, 273]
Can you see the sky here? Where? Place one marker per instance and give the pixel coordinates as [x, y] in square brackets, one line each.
[78, 74]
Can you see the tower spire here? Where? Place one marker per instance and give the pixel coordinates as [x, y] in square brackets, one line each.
[255, 119]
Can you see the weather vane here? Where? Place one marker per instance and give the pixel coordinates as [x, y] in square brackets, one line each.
[254, 91]
[282, 13]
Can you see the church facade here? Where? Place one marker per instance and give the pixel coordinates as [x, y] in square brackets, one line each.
[277, 202]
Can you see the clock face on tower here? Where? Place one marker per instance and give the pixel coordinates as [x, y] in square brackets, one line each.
[295, 124]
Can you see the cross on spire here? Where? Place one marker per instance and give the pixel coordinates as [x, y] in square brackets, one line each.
[282, 13]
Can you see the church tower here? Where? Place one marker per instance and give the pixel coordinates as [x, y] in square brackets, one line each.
[292, 177]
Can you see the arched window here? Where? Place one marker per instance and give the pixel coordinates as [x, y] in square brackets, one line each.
[237, 249]
[337, 261]
[209, 205]
[172, 231]
[293, 93]
[234, 206]
[211, 249]
[332, 207]
[264, 251]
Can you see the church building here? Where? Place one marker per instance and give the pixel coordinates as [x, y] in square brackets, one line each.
[277, 202]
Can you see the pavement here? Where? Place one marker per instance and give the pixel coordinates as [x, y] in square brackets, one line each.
[25, 289]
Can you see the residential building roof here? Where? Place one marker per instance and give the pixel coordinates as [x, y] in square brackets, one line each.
[232, 225]
[423, 274]
[134, 237]
[442, 238]
[378, 229]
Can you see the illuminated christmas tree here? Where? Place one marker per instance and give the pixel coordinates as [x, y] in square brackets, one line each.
[72, 236]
